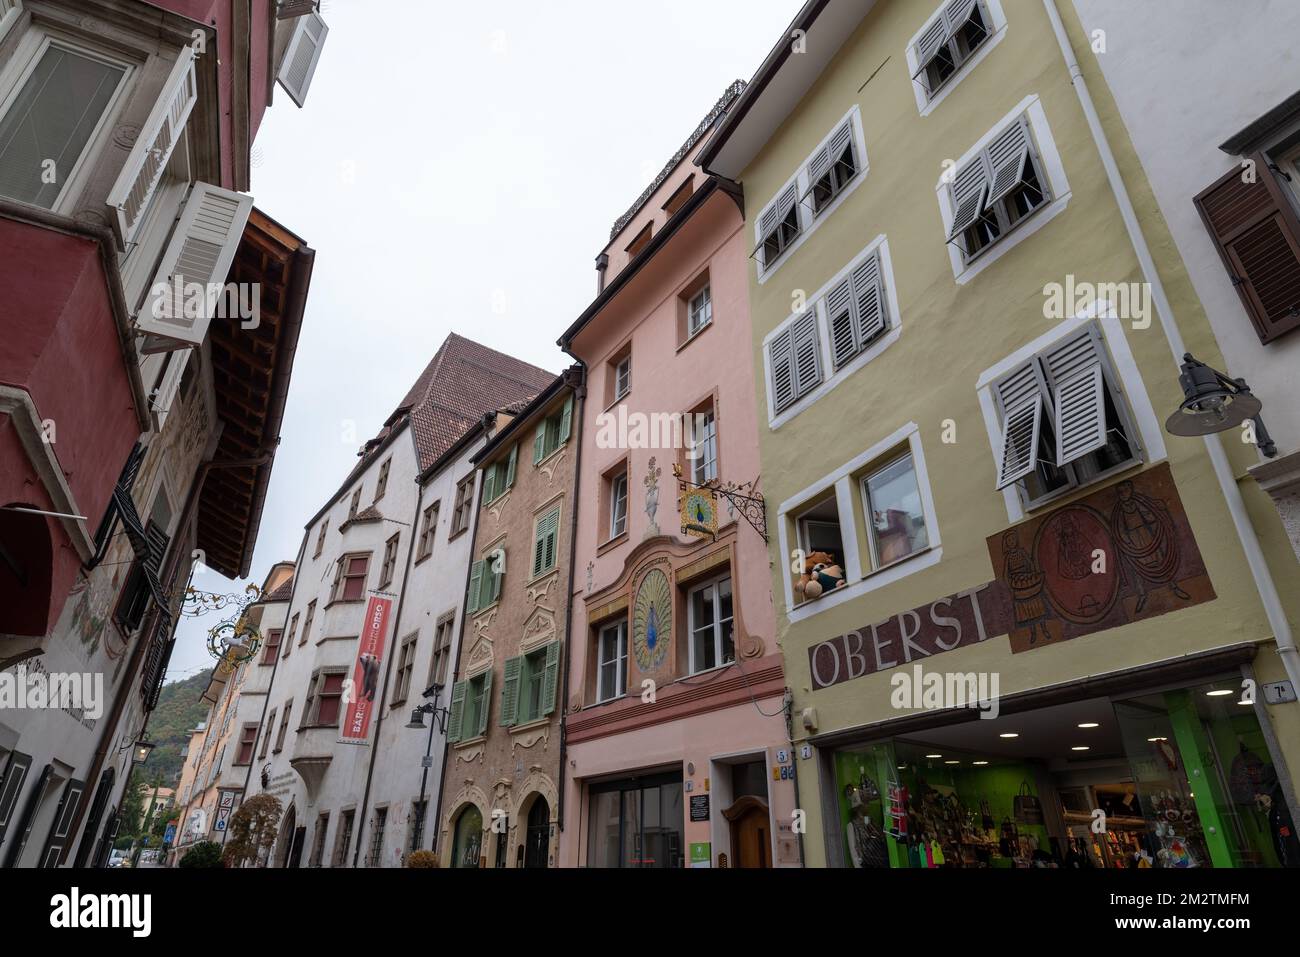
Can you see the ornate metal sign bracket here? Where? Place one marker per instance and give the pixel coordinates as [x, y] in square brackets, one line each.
[741, 498]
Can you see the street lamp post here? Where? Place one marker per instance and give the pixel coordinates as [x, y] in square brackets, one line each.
[439, 721]
[1213, 402]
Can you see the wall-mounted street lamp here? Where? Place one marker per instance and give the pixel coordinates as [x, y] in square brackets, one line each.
[143, 748]
[1212, 402]
[440, 715]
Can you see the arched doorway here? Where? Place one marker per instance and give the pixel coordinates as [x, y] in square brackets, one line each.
[285, 841]
[467, 844]
[537, 838]
[751, 832]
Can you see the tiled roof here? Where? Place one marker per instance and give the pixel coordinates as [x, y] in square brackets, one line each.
[283, 592]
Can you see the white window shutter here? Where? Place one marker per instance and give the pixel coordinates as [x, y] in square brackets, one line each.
[781, 358]
[161, 402]
[301, 56]
[870, 315]
[1008, 154]
[807, 353]
[10, 11]
[969, 187]
[1020, 441]
[820, 163]
[153, 148]
[957, 12]
[201, 250]
[1075, 376]
[930, 43]
[839, 315]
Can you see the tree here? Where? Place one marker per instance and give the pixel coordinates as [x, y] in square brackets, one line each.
[202, 854]
[252, 831]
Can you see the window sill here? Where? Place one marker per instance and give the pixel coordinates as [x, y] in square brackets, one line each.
[708, 671]
[695, 335]
[455, 535]
[343, 601]
[542, 575]
[556, 451]
[486, 608]
[420, 559]
[470, 742]
[531, 725]
[611, 543]
[803, 403]
[965, 270]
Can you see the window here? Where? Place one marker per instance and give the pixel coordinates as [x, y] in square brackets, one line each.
[679, 197]
[622, 377]
[618, 503]
[949, 41]
[293, 633]
[344, 840]
[855, 311]
[636, 822]
[553, 432]
[895, 516]
[500, 476]
[470, 701]
[611, 661]
[996, 190]
[703, 451]
[60, 105]
[1065, 423]
[441, 650]
[831, 169]
[266, 738]
[375, 856]
[545, 542]
[794, 356]
[778, 227]
[272, 646]
[640, 241]
[419, 810]
[389, 568]
[817, 529]
[324, 699]
[710, 623]
[284, 726]
[529, 687]
[464, 506]
[247, 741]
[485, 579]
[301, 54]
[699, 311]
[381, 486]
[318, 842]
[428, 531]
[355, 504]
[350, 578]
[405, 666]
[320, 537]
[306, 625]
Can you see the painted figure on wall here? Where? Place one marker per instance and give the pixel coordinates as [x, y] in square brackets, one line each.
[1026, 581]
[1148, 548]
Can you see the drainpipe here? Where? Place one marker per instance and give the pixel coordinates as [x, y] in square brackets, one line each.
[388, 670]
[580, 390]
[1268, 595]
[602, 263]
[794, 760]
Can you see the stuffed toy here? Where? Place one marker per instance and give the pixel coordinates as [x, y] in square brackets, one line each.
[820, 575]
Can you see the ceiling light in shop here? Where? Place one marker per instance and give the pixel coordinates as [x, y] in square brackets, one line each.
[1009, 734]
[1157, 739]
[1090, 724]
[934, 755]
[979, 762]
[1079, 747]
[952, 762]
[1218, 692]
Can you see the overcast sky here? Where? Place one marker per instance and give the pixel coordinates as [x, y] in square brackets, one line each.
[461, 175]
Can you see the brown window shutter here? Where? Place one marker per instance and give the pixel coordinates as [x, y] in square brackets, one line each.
[1257, 233]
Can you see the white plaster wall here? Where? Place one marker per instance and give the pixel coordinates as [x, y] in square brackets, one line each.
[1186, 75]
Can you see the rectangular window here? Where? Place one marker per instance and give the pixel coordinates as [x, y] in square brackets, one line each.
[441, 650]
[375, 857]
[553, 432]
[996, 190]
[324, 699]
[320, 537]
[896, 517]
[284, 726]
[405, 667]
[855, 311]
[699, 311]
[679, 197]
[532, 684]
[622, 377]
[293, 633]
[60, 106]
[318, 842]
[272, 646]
[460, 516]
[710, 624]
[1065, 423]
[952, 38]
[618, 504]
[354, 504]
[831, 169]
[817, 529]
[266, 738]
[344, 841]
[428, 531]
[779, 227]
[637, 822]
[794, 357]
[703, 450]
[476, 704]
[306, 625]
[419, 810]
[546, 534]
[611, 661]
[382, 485]
[640, 241]
[247, 741]
[500, 476]
[350, 578]
[389, 568]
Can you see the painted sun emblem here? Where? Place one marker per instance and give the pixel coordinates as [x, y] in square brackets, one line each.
[652, 621]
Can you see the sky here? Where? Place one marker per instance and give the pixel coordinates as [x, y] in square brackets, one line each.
[462, 175]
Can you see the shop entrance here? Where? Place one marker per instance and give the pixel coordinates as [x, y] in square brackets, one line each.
[1176, 778]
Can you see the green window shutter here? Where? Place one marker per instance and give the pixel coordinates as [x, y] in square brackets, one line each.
[510, 692]
[551, 678]
[539, 443]
[489, 483]
[457, 711]
[475, 586]
[539, 548]
[544, 542]
[566, 420]
[487, 704]
[510, 466]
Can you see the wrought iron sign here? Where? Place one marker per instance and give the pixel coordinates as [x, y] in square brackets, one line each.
[697, 502]
[234, 640]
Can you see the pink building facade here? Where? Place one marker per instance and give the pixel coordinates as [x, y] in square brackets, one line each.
[676, 744]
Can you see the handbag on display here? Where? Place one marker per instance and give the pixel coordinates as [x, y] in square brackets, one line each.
[986, 816]
[1026, 807]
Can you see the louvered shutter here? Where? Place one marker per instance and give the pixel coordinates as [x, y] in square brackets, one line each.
[930, 43]
[957, 12]
[489, 482]
[544, 543]
[551, 677]
[154, 146]
[1022, 408]
[457, 716]
[869, 317]
[510, 466]
[61, 827]
[539, 443]
[1008, 155]
[829, 153]
[475, 585]
[90, 833]
[201, 250]
[807, 354]
[1075, 377]
[775, 214]
[23, 825]
[161, 402]
[11, 787]
[510, 692]
[969, 187]
[301, 56]
[487, 704]
[781, 358]
[10, 11]
[1257, 233]
[566, 420]
[839, 316]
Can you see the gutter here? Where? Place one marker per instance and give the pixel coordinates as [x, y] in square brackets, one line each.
[1223, 471]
